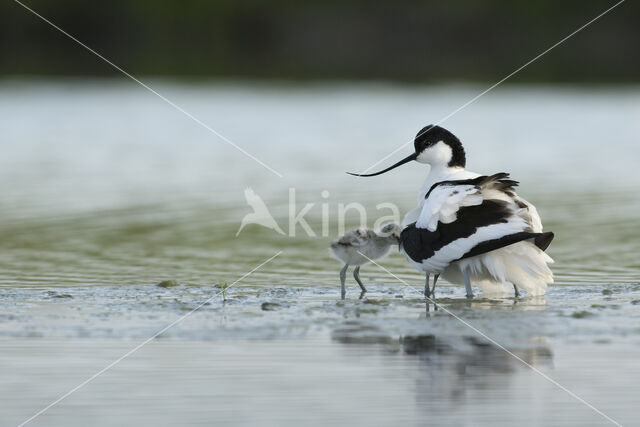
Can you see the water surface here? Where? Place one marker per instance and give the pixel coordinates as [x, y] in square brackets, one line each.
[107, 191]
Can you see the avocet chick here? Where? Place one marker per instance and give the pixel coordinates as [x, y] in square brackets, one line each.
[359, 246]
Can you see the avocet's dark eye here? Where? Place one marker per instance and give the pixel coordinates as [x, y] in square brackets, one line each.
[423, 144]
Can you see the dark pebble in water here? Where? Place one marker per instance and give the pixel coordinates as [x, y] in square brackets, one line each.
[582, 314]
[635, 302]
[376, 301]
[270, 306]
[607, 292]
[167, 284]
[57, 295]
[63, 296]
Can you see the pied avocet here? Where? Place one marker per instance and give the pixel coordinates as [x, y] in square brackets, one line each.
[469, 226]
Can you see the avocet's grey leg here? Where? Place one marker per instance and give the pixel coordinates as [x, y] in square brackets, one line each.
[467, 284]
[433, 290]
[343, 274]
[427, 291]
[515, 288]
[356, 275]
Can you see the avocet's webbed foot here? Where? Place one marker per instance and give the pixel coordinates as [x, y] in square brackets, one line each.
[467, 284]
[343, 277]
[356, 275]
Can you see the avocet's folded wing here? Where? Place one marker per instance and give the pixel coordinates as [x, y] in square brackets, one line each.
[465, 218]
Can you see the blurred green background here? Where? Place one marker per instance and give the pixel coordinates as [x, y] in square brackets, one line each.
[406, 40]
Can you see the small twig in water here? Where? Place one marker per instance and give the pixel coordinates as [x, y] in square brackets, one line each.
[224, 286]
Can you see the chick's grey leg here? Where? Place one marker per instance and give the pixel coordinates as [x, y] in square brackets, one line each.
[467, 284]
[515, 288]
[356, 275]
[343, 277]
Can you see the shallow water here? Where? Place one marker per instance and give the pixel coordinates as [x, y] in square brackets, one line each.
[107, 192]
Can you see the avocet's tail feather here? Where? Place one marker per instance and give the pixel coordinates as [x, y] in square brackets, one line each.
[526, 267]
[522, 264]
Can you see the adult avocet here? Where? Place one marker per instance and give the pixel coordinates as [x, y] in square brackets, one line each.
[469, 226]
[359, 246]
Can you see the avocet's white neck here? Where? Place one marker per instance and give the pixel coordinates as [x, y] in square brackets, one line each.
[442, 170]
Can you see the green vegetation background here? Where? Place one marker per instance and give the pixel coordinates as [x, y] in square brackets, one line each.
[405, 40]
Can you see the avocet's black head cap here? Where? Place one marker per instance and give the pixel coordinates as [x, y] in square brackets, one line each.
[428, 136]
[431, 135]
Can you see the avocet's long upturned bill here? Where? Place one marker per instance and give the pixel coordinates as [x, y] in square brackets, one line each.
[469, 226]
[359, 246]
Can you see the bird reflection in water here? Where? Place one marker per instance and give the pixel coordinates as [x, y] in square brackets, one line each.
[450, 369]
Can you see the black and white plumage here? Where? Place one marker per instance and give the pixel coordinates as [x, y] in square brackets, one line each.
[470, 227]
[360, 246]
